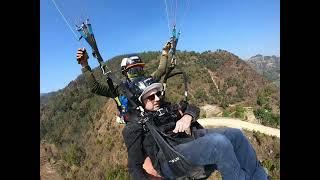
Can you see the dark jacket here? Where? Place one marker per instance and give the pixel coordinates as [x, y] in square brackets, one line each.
[140, 143]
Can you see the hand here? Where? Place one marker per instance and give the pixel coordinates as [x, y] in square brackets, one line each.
[166, 48]
[183, 125]
[82, 57]
[151, 172]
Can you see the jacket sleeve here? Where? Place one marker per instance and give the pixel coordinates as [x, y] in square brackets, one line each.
[132, 135]
[95, 86]
[193, 111]
[162, 68]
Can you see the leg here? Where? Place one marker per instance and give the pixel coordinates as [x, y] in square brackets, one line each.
[244, 151]
[213, 148]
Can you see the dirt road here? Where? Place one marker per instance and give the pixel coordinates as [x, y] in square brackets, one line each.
[237, 123]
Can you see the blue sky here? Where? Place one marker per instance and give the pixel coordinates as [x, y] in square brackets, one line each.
[243, 27]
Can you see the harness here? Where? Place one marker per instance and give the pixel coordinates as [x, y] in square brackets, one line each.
[179, 165]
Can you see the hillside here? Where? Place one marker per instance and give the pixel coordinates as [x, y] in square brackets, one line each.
[44, 97]
[268, 66]
[82, 125]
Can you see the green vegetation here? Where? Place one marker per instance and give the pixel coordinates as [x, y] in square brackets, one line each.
[200, 95]
[74, 155]
[117, 173]
[267, 118]
[237, 112]
[265, 111]
[203, 114]
[269, 150]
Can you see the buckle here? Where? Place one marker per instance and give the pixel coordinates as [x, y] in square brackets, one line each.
[161, 111]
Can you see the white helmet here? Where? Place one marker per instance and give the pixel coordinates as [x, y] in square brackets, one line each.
[132, 64]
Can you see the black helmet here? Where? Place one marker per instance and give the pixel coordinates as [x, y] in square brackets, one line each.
[132, 66]
[140, 86]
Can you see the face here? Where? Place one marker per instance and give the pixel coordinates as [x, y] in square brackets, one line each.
[151, 100]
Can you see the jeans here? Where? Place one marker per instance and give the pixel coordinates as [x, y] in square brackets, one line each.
[226, 148]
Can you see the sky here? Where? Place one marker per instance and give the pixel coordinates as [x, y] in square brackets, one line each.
[242, 27]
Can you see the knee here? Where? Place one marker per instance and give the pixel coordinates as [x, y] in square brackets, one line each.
[218, 140]
[234, 132]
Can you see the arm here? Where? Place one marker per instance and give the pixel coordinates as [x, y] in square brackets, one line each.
[190, 113]
[95, 87]
[132, 135]
[161, 71]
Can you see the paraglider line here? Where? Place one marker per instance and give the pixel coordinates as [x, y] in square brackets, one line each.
[165, 2]
[185, 13]
[175, 13]
[64, 18]
[172, 13]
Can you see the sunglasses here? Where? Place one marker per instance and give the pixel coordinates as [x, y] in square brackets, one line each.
[153, 96]
[135, 70]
